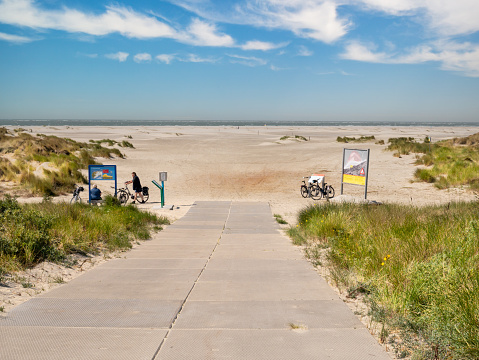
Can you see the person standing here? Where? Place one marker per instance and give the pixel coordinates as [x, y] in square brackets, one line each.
[136, 187]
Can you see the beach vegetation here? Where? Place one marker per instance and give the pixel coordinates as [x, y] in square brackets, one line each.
[279, 219]
[293, 137]
[417, 269]
[47, 165]
[361, 139]
[446, 164]
[111, 143]
[47, 231]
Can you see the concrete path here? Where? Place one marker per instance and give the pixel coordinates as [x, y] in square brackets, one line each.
[220, 283]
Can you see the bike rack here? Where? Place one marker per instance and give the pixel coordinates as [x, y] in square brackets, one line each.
[162, 191]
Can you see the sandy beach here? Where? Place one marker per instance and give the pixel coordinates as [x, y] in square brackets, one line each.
[253, 164]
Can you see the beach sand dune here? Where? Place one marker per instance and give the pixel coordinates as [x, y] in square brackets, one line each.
[253, 164]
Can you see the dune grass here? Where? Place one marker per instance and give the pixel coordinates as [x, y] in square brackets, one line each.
[21, 152]
[419, 267]
[446, 164]
[361, 139]
[32, 233]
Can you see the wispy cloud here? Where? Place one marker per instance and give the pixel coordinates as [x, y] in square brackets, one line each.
[205, 34]
[304, 51]
[452, 56]
[143, 57]
[261, 45]
[165, 58]
[313, 19]
[120, 56]
[115, 19]
[198, 59]
[247, 60]
[447, 18]
[17, 39]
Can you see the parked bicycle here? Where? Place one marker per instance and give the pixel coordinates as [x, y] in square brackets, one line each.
[76, 195]
[124, 194]
[316, 188]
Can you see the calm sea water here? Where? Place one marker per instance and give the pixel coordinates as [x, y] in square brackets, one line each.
[80, 122]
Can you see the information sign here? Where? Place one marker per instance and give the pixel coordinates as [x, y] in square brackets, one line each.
[355, 168]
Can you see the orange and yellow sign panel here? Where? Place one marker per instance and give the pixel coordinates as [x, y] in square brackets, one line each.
[354, 179]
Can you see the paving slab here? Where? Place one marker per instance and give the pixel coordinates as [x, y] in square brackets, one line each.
[134, 313]
[155, 264]
[126, 276]
[279, 290]
[170, 290]
[317, 314]
[316, 344]
[60, 343]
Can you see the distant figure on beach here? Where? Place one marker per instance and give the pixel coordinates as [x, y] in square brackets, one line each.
[136, 187]
[95, 193]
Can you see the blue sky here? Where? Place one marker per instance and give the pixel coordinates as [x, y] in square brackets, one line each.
[325, 60]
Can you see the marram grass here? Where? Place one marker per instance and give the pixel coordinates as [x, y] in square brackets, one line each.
[32, 233]
[420, 266]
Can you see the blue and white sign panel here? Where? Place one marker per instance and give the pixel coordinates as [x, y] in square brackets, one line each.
[101, 172]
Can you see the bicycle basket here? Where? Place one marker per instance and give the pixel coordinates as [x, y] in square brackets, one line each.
[145, 190]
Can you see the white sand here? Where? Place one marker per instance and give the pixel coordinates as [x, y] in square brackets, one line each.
[252, 164]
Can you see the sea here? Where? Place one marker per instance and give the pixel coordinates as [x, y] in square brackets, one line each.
[91, 122]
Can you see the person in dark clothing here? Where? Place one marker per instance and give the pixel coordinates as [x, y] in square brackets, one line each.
[95, 193]
[136, 187]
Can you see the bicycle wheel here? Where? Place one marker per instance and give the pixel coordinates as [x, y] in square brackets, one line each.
[329, 192]
[76, 199]
[316, 192]
[304, 191]
[146, 197]
[123, 197]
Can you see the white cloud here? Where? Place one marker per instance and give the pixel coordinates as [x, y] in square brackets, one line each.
[362, 52]
[304, 51]
[261, 45]
[120, 56]
[276, 68]
[247, 60]
[445, 17]
[115, 19]
[197, 59]
[206, 34]
[15, 38]
[314, 19]
[452, 56]
[165, 58]
[143, 57]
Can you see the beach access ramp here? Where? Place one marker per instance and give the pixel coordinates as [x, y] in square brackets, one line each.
[220, 283]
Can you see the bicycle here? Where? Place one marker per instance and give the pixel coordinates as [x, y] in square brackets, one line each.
[314, 190]
[124, 194]
[76, 195]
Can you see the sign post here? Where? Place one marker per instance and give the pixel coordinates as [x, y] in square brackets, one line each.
[98, 173]
[163, 178]
[355, 168]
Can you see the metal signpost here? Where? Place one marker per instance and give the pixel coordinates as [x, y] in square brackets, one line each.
[355, 168]
[163, 177]
[100, 172]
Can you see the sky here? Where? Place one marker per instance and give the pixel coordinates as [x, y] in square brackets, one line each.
[265, 60]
